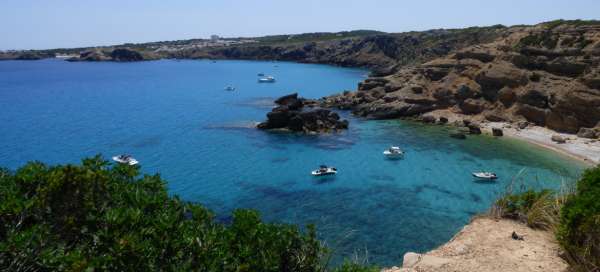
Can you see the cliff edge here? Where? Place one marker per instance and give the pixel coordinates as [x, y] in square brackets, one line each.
[487, 245]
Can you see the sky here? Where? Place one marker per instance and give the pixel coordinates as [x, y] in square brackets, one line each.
[44, 24]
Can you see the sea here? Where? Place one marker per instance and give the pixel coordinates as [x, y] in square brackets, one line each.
[177, 119]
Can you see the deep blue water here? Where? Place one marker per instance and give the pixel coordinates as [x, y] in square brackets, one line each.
[175, 117]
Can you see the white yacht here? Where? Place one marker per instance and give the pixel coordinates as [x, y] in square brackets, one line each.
[394, 152]
[324, 170]
[125, 159]
[485, 175]
[267, 79]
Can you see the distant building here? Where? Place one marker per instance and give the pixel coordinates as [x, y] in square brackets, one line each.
[214, 38]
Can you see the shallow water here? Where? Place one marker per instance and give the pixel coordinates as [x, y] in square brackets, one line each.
[175, 117]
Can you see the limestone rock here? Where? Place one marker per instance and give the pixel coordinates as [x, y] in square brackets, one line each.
[410, 259]
[587, 133]
[290, 115]
[558, 139]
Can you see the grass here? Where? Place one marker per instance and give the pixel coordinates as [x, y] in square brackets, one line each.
[572, 213]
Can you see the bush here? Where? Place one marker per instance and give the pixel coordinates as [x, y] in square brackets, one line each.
[96, 216]
[538, 209]
[579, 231]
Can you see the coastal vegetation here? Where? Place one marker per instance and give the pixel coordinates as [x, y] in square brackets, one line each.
[573, 214]
[99, 216]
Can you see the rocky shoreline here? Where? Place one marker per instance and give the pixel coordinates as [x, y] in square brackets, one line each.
[513, 79]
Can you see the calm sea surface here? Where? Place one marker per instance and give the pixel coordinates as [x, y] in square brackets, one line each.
[175, 117]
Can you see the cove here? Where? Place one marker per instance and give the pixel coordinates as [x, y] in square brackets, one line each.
[176, 118]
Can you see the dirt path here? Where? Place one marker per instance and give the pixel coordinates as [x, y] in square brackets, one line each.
[486, 245]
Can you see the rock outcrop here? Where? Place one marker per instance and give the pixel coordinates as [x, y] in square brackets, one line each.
[548, 75]
[118, 55]
[290, 114]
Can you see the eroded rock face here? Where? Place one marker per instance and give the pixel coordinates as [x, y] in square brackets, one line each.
[119, 55]
[549, 76]
[126, 55]
[290, 115]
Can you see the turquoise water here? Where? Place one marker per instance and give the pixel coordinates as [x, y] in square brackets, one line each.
[176, 119]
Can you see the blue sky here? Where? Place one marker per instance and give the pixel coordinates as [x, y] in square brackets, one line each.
[36, 24]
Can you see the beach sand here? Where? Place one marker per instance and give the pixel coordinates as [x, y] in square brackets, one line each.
[585, 150]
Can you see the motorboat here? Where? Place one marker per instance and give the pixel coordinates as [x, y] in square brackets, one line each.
[485, 175]
[125, 159]
[324, 170]
[229, 88]
[394, 152]
[261, 74]
[267, 79]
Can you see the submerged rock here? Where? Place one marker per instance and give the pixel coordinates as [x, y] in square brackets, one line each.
[497, 132]
[458, 135]
[290, 115]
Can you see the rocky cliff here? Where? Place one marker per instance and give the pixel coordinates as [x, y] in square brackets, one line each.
[548, 74]
[383, 52]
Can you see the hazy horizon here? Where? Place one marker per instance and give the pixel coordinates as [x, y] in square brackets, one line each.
[34, 24]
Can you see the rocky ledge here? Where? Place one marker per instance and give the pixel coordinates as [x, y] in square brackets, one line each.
[118, 55]
[548, 75]
[487, 244]
[291, 114]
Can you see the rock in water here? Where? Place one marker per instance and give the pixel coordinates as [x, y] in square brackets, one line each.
[474, 128]
[458, 135]
[290, 115]
[497, 132]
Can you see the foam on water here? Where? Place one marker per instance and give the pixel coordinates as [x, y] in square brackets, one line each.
[176, 119]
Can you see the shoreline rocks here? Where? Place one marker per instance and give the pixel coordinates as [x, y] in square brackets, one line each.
[290, 114]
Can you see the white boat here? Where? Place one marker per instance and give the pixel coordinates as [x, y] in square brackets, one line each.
[125, 159]
[324, 170]
[268, 79]
[229, 88]
[394, 152]
[485, 175]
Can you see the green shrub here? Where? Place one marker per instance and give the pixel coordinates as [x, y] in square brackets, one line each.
[579, 231]
[353, 267]
[538, 209]
[96, 216]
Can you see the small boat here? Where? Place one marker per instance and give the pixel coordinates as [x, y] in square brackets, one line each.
[485, 175]
[324, 170]
[268, 79]
[125, 159]
[229, 88]
[394, 152]
[261, 74]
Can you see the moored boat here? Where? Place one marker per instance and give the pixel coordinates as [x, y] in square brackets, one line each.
[324, 170]
[393, 152]
[125, 159]
[267, 79]
[485, 175]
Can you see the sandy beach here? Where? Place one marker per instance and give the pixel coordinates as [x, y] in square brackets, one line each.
[585, 150]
